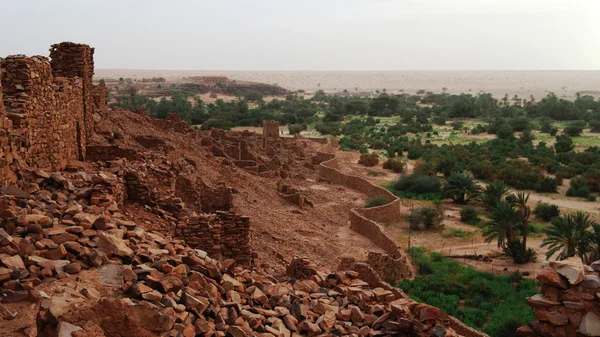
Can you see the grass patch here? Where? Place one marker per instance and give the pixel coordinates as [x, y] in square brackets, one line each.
[376, 173]
[452, 232]
[481, 300]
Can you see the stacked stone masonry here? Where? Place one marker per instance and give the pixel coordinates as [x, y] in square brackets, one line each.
[45, 112]
[222, 234]
[77, 60]
[46, 109]
[569, 304]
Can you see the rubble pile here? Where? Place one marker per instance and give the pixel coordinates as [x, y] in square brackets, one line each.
[58, 224]
[569, 304]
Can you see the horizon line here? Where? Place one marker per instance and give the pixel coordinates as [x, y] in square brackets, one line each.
[342, 70]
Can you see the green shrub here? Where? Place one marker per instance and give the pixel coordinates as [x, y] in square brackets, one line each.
[578, 189]
[297, 128]
[418, 184]
[457, 125]
[547, 185]
[425, 218]
[395, 165]
[377, 201]
[369, 159]
[469, 214]
[545, 211]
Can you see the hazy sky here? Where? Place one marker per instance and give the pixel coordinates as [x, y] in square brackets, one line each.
[312, 34]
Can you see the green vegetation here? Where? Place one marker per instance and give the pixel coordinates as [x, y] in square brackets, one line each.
[494, 304]
[418, 186]
[377, 201]
[545, 211]
[574, 235]
[425, 218]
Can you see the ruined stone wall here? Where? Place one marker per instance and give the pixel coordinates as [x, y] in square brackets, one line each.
[569, 303]
[222, 234]
[77, 60]
[7, 150]
[99, 96]
[45, 112]
[271, 129]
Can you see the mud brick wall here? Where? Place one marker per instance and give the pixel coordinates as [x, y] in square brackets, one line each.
[223, 234]
[569, 303]
[77, 60]
[45, 112]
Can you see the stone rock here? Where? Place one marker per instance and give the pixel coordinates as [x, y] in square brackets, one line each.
[590, 325]
[552, 277]
[153, 319]
[73, 268]
[438, 331]
[12, 261]
[5, 239]
[114, 245]
[591, 281]
[571, 268]
[66, 329]
[7, 314]
[539, 301]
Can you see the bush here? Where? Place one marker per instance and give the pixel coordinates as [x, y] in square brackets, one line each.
[457, 125]
[547, 185]
[545, 211]
[369, 159]
[578, 189]
[418, 184]
[377, 201]
[425, 218]
[469, 214]
[395, 165]
[519, 253]
[297, 128]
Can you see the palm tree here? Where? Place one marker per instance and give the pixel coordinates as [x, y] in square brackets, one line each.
[493, 193]
[569, 236]
[504, 224]
[519, 201]
[461, 188]
[595, 243]
[527, 137]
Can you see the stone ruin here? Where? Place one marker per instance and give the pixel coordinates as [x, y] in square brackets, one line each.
[47, 109]
[270, 130]
[569, 304]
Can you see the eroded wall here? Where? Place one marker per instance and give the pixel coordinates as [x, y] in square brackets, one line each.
[45, 111]
[222, 234]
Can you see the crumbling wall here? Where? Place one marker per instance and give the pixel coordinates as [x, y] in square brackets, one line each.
[77, 60]
[7, 151]
[224, 234]
[568, 304]
[45, 112]
[99, 96]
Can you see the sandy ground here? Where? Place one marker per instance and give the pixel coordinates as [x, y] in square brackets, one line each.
[522, 83]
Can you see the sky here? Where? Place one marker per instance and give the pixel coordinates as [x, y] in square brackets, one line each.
[313, 34]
